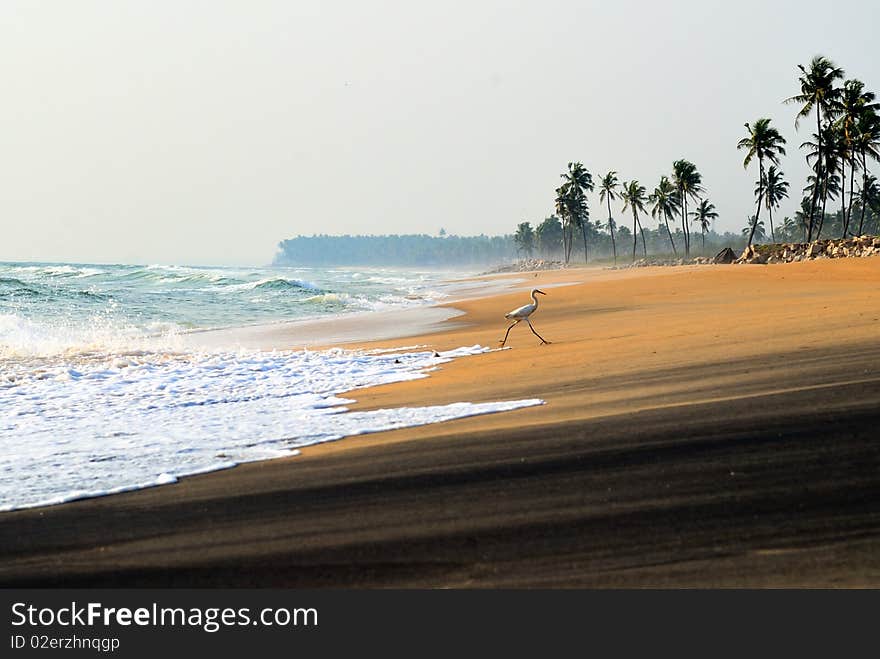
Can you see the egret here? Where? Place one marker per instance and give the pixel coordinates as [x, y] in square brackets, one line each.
[522, 314]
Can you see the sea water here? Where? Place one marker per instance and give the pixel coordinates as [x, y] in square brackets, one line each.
[98, 393]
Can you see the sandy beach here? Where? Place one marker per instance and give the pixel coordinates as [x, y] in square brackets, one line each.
[703, 426]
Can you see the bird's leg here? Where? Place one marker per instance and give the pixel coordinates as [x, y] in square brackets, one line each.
[504, 340]
[543, 340]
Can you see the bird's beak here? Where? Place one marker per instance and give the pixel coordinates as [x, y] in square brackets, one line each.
[541, 292]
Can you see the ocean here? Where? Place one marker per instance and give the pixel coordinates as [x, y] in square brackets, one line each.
[106, 387]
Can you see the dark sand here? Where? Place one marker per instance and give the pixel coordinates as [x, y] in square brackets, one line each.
[678, 448]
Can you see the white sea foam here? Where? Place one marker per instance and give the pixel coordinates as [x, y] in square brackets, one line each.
[80, 428]
[22, 337]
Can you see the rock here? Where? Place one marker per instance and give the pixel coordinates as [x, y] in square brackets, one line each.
[726, 255]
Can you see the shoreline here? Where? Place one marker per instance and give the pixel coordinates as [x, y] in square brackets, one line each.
[709, 427]
[352, 328]
[299, 336]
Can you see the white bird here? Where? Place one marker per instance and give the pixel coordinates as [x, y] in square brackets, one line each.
[522, 314]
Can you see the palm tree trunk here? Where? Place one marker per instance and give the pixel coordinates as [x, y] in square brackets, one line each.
[684, 231]
[760, 198]
[564, 240]
[772, 234]
[687, 229]
[864, 191]
[584, 234]
[611, 227]
[669, 231]
[815, 197]
[703, 235]
[843, 196]
[822, 218]
[635, 235]
[570, 240]
[852, 182]
[642, 231]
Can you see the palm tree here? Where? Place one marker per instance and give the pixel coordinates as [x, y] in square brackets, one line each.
[561, 208]
[825, 179]
[607, 192]
[775, 190]
[789, 228]
[763, 141]
[802, 215]
[580, 214]
[704, 214]
[577, 182]
[633, 196]
[688, 183]
[817, 90]
[755, 228]
[870, 197]
[867, 143]
[854, 102]
[828, 188]
[664, 202]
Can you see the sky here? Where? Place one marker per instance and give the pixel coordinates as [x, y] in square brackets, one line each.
[206, 132]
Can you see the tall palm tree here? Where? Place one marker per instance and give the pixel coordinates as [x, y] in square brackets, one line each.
[867, 143]
[817, 91]
[561, 207]
[608, 192]
[853, 103]
[580, 214]
[688, 182]
[828, 186]
[633, 196]
[802, 214]
[577, 182]
[775, 190]
[704, 214]
[664, 204]
[763, 141]
[870, 197]
[825, 180]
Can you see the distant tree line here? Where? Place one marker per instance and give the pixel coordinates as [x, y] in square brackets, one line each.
[546, 240]
[396, 250]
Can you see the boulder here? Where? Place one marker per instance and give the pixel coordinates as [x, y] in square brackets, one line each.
[725, 256]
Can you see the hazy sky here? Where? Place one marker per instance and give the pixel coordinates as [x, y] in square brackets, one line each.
[205, 132]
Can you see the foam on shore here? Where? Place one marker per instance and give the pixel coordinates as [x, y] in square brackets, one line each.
[106, 424]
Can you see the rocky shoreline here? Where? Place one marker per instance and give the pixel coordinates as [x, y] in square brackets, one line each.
[527, 265]
[855, 247]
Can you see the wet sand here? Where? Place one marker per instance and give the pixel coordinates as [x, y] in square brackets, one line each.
[704, 426]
